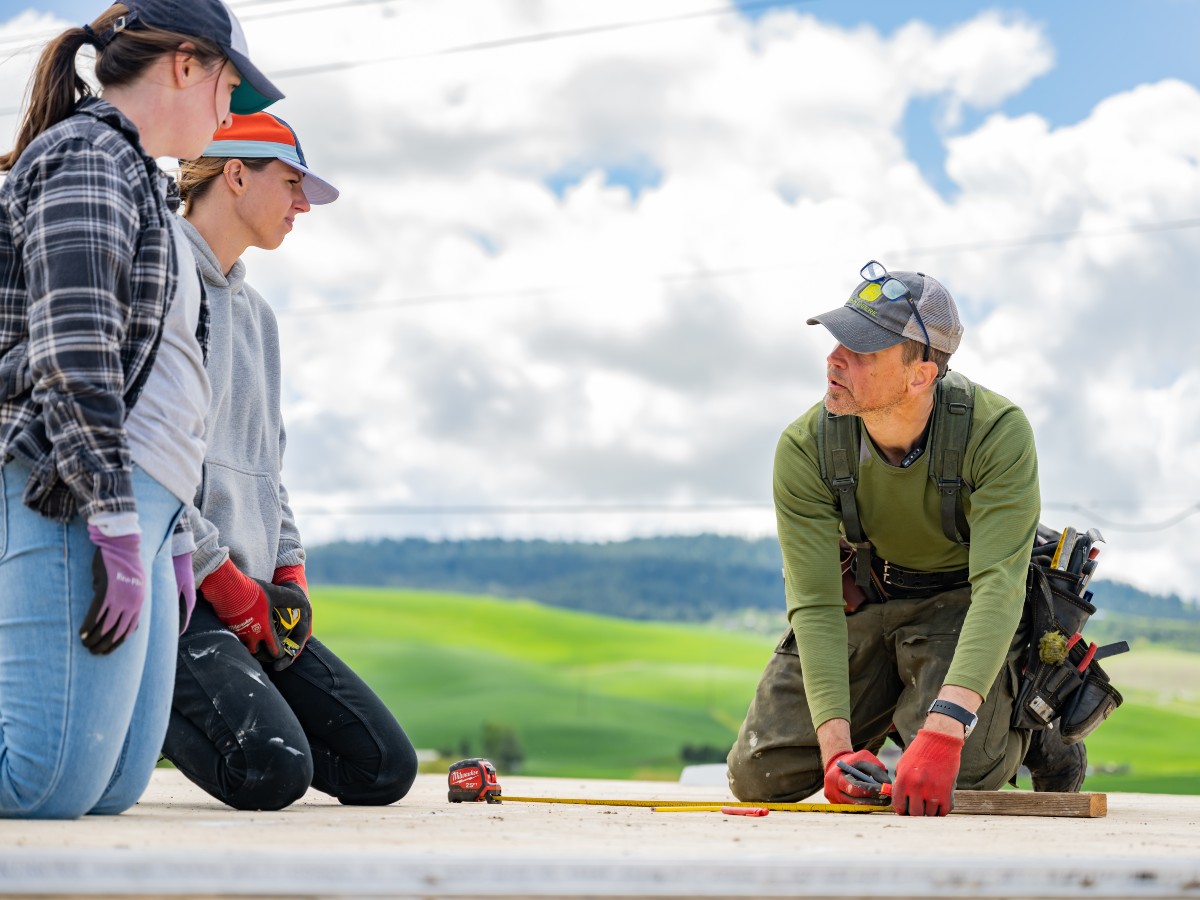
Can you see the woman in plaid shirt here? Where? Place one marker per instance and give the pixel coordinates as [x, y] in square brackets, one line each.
[103, 331]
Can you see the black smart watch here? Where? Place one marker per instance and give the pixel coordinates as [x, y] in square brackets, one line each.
[956, 712]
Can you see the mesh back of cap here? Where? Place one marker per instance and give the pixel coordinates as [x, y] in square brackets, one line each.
[940, 316]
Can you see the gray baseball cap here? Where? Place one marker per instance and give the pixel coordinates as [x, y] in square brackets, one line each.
[870, 322]
[212, 19]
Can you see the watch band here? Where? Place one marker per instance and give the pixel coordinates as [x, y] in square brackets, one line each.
[956, 712]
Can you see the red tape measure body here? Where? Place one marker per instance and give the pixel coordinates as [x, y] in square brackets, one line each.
[472, 781]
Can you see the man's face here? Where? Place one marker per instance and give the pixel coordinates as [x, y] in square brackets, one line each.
[859, 383]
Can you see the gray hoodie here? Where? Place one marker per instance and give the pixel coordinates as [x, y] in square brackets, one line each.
[241, 509]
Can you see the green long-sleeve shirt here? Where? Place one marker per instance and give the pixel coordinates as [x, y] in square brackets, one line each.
[900, 514]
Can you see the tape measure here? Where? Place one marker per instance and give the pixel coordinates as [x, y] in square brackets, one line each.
[705, 805]
[473, 780]
[284, 621]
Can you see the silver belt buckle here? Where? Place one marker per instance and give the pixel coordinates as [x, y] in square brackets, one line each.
[886, 576]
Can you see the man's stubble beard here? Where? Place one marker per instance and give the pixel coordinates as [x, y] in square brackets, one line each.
[848, 405]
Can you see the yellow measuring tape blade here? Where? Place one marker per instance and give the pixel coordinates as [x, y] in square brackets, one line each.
[1054, 560]
[704, 805]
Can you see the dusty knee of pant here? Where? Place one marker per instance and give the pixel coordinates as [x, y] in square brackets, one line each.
[278, 776]
[745, 771]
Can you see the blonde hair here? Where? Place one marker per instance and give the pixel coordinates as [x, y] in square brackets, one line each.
[56, 86]
[196, 176]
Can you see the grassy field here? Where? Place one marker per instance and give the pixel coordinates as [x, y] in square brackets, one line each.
[613, 698]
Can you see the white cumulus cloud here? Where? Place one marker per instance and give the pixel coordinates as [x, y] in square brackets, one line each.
[577, 270]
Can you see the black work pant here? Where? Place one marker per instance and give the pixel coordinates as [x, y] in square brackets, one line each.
[255, 738]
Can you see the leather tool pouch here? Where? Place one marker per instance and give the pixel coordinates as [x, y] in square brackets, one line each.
[1062, 683]
[853, 594]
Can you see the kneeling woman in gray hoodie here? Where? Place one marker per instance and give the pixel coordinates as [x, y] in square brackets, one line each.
[260, 712]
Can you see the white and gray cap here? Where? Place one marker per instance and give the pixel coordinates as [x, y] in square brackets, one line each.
[869, 321]
[212, 19]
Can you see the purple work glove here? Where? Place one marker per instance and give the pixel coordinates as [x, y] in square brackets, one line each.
[120, 585]
[185, 582]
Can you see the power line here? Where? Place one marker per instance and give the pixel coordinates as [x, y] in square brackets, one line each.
[536, 509]
[538, 38]
[37, 38]
[1137, 527]
[737, 271]
[345, 4]
[31, 41]
[585, 508]
[1054, 237]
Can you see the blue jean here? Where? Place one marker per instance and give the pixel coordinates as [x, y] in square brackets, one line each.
[79, 733]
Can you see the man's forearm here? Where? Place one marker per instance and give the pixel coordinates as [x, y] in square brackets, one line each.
[833, 737]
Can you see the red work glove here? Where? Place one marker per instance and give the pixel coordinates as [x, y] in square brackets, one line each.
[926, 774]
[246, 605]
[840, 789]
[293, 574]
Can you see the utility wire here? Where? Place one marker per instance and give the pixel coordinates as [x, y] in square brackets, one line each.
[582, 508]
[537, 509]
[29, 41]
[737, 271]
[537, 38]
[1138, 527]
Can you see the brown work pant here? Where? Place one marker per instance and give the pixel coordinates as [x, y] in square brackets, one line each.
[899, 653]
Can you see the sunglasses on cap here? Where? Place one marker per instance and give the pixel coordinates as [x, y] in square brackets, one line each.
[894, 289]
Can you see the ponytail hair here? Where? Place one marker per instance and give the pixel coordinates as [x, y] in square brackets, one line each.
[121, 56]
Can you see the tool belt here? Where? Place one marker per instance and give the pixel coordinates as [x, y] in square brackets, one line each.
[1062, 684]
[889, 581]
[900, 583]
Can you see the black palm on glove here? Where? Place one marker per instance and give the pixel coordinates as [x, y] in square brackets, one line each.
[273, 621]
[291, 620]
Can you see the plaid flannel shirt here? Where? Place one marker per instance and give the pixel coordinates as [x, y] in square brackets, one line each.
[87, 274]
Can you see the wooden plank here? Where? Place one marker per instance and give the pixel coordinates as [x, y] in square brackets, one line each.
[1030, 803]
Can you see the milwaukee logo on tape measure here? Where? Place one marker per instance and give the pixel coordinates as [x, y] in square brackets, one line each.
[466, 778]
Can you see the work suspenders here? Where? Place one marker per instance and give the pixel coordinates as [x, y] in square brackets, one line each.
[838, 442]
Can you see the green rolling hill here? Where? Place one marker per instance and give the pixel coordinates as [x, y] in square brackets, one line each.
[592, 696]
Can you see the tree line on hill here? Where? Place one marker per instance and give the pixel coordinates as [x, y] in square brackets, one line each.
[675, 578]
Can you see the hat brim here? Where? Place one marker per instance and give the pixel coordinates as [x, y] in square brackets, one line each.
[256, 92]
[857, 332]
[316, 189]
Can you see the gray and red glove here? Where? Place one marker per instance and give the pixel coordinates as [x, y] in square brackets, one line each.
[119, 583]
[926, 774]
[249, 607]
[291, 575]
[843, 787]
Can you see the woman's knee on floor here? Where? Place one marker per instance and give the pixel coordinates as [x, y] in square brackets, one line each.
[394, 777]
[269, 774]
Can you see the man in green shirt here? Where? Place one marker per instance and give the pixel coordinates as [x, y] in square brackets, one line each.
[935, 656]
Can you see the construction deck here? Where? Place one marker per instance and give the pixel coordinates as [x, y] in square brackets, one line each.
[178, 842]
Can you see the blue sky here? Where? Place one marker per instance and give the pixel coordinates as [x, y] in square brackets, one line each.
[1102, 47]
